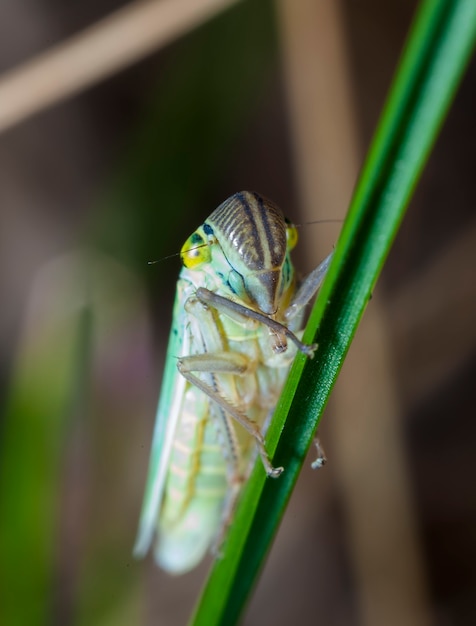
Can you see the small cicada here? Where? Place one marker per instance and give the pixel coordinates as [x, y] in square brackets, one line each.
[237, 319]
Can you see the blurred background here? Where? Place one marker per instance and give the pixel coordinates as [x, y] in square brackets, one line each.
[123, 125]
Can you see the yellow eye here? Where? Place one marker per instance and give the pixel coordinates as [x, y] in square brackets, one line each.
[195, 251]
[291, 235]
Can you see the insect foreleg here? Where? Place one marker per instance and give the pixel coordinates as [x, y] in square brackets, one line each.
[189, 364]
[236, 310]
[308, 289]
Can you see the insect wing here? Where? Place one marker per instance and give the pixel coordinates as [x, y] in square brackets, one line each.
[168, 413]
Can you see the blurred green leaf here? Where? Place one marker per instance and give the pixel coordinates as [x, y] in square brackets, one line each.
[48, 385]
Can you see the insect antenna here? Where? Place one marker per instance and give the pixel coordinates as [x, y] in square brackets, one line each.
[329, 221]
[171, 256]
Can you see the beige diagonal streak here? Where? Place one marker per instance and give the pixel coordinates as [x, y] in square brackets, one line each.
[106, 47]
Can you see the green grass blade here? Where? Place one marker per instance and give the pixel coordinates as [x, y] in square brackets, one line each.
[437, 51]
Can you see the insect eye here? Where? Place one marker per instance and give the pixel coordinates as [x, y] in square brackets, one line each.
[195, 251]
[291, 235]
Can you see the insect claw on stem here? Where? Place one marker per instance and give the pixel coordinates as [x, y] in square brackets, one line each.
[309, 349]
[275, 472]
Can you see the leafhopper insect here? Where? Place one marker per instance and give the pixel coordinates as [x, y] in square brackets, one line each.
[237, 322]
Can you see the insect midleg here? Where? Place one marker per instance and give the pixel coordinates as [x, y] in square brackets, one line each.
[217, 358]
[226, 362]
[211, 364]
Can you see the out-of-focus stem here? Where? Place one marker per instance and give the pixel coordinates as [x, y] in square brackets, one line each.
[110, 45]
